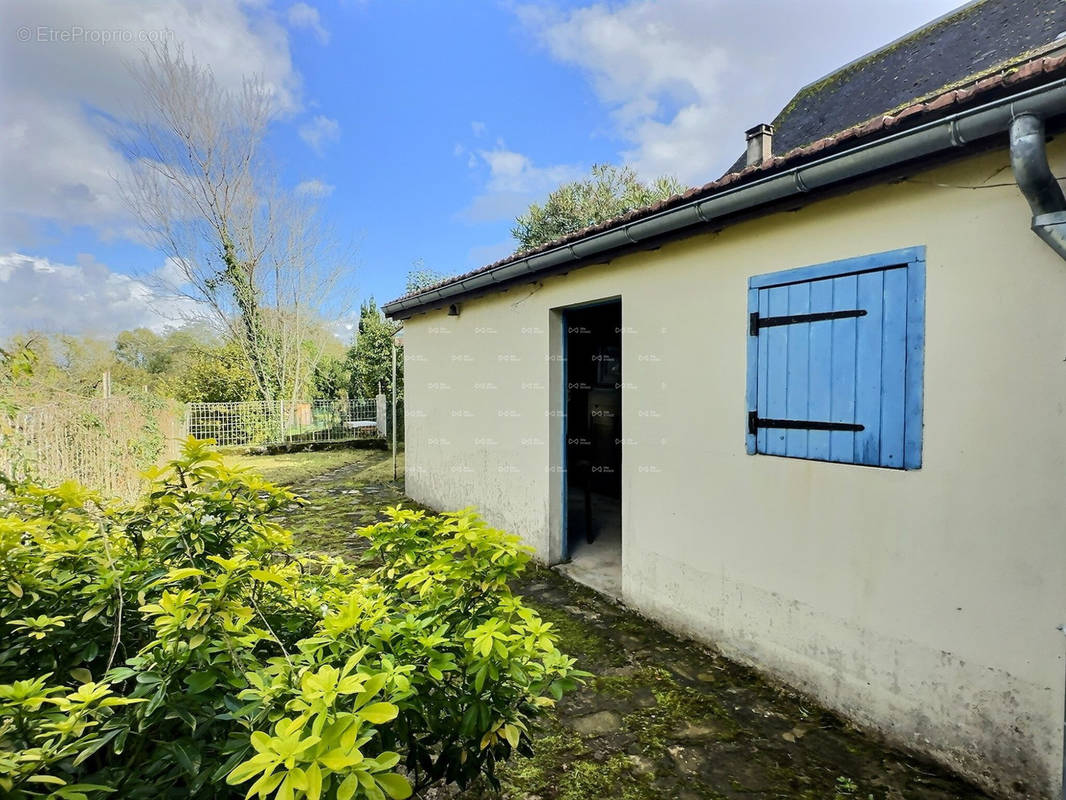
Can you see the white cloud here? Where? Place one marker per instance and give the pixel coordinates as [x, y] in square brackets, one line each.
[515, 172]
[83, 298]
[320, 131]
[514, 181]
[683, 79]
[478, 128]
[489, 253]
[345, 327]
[302, 15]
[314, 188]
[63, 90]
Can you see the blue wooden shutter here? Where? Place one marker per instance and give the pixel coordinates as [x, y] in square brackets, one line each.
[835, 361]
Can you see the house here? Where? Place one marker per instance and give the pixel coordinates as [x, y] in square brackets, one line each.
[813, 412]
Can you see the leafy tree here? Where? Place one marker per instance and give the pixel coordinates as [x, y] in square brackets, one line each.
[331, 379]
[157, 354]
[158, 361]
[217, 375]
[27, 391]
[420, 276]
[190, 364]
[66, 365]
[137, 359]
[141, 348]
[606, 193]
[370, 358]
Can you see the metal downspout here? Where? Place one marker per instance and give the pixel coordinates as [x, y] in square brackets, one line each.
[1028, 159]
[1063, 797]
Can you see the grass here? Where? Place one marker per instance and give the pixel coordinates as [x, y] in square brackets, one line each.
[343, 490]
[288, 469]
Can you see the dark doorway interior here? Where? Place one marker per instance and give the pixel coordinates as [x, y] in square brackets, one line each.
[594, 444]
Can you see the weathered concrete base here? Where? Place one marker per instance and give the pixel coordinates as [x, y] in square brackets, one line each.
[879, 691]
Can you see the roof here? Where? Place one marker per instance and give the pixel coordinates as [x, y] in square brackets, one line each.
[1033, 66]
[963, 43]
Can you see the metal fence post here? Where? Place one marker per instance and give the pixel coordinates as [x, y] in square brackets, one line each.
[394, 425]
[382, 416]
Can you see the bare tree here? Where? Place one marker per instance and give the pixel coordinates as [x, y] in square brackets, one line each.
[236, 241]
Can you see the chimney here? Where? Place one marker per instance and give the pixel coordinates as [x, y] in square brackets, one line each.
[760, 144]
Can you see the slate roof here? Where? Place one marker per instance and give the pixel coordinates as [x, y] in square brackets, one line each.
[960, 44]
[1034, 64]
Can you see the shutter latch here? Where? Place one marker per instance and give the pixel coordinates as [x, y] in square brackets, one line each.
[757, 322]
[755, 422]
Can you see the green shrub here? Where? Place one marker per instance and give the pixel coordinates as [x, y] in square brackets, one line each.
[177, 647]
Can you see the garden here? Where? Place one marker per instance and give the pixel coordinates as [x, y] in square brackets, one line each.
[320, 636]
[181, 645]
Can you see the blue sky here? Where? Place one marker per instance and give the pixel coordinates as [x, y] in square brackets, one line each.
[422, 127]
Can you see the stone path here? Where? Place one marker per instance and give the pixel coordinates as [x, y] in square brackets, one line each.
[668, 718]
[664, 717]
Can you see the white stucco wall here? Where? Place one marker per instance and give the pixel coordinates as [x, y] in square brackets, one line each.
[923, 604]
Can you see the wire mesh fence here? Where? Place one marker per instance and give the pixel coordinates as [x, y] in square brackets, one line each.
[280, 422]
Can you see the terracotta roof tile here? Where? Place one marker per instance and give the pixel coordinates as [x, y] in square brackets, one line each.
[943, 101]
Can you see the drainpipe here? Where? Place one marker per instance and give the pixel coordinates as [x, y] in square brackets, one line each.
[1028, 159]
[1063, 629]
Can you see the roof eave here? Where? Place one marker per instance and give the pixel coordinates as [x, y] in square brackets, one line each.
[942, 135]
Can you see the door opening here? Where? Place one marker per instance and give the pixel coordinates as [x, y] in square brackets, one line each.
[593, 453]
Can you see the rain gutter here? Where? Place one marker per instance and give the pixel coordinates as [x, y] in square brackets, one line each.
[937, 137]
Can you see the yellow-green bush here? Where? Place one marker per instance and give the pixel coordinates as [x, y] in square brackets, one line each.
[177, 647]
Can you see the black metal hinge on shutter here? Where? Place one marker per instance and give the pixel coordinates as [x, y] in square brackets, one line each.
[757, 322]
[755, 422]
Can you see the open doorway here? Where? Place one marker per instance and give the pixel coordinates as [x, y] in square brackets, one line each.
[593, 485]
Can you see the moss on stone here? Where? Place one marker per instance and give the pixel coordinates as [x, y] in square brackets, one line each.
[565, 768]
[580, 640]
[680, 712]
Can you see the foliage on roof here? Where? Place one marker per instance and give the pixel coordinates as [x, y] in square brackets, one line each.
[607, 192]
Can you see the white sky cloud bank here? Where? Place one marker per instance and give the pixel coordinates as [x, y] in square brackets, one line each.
[513, 182]
[683, 79]
[301, 15]
[65, 81]
[319, 132]
[314, 188]
[83, 298]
